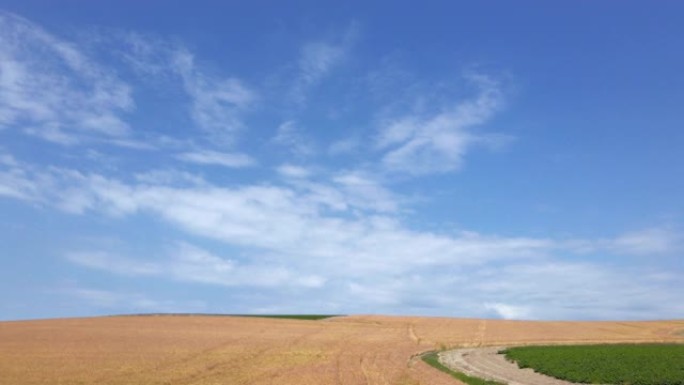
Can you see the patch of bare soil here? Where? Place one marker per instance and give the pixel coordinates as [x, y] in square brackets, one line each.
[487, 363]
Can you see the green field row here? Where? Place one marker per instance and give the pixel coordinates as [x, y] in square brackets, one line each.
[306, 317]
[633, 364]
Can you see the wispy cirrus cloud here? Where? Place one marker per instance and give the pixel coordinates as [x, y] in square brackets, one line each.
[217, 102]
[344, 146]
[318, 58]
[348, 191]
[189, 263]
[19, 180]
[64, 91]
[292, 171]
[130, 301]
[147, 55]
[290, 137]
[648, 242]
[52, 90]
[104, 261]
[438, 142]
[170, 177]
[366, 191]
[16, 184]
[208, 157]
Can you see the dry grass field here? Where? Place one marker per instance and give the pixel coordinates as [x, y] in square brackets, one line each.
[236, 350]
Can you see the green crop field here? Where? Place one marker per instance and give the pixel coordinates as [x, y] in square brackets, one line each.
[633, 364]
[305, 317]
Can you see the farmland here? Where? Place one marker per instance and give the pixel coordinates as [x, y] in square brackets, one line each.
[432, 359]
[243, 350]
[643, 364]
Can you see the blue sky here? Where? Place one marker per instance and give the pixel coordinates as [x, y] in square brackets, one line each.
[473, 159]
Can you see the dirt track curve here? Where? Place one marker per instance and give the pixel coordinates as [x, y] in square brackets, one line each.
[487, 363]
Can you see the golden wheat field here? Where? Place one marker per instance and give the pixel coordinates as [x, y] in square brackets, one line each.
[236, 350]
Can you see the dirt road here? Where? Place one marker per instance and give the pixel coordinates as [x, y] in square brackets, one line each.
[487, 363]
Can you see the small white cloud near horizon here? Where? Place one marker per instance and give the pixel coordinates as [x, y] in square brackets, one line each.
[509, 312]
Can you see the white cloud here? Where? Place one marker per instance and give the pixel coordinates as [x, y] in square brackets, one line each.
[292, 171]
[364, 191]
[207, 157]
[507, 311]
[298, 237]
[557, 289]
[115, 197]
[18, 180]
[653, 242]
[50, 89]
[340, 237]
[102, 298]
[344, 223]
[649, 242]
[131, 302]
[348, 191]
[189, 263]
[318, 58]
[170, 178]
[279, 221]
[195, 264]
[14, 183]
[291, 138]
[217, 102]
[103, 261]
[344, 146]
[145, 54]
[8, 160]
[438, 142]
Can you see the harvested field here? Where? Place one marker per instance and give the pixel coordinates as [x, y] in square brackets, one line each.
[239, 350]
